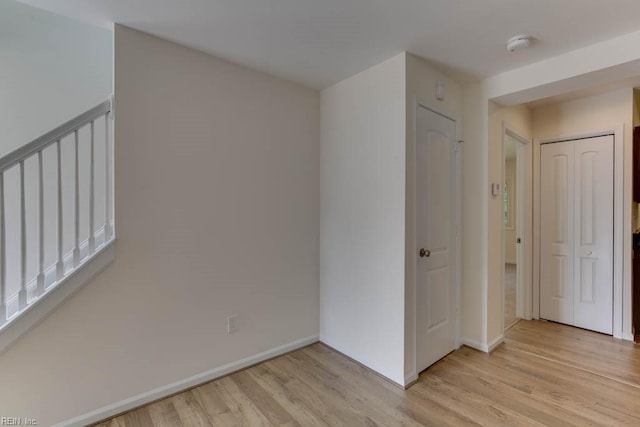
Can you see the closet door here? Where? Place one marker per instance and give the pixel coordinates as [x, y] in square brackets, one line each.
[576, 233]
[557, 232]
[593, 265]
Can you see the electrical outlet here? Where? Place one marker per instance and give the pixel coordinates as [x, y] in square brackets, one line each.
[232, 324]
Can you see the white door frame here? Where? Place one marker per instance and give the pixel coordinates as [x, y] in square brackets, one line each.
[618, 221]
[457, 246]
[524, 228]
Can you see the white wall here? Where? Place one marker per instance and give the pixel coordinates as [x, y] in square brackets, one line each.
[421, 84]
[475, 191]
[53, 68]
[362, 221]
[593, 114]
[217, 189]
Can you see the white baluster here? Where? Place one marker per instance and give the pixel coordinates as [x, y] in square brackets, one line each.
[107, 214]
[40, 280]
[76, 231]
[60, 263]
[92, 196]
[22, 294]
[3, 256]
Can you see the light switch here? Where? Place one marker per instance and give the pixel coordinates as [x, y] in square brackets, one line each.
[495, 189]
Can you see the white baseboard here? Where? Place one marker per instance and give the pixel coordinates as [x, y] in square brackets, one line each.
[476, 345]
[53, 297]
[483, 347]
[169, 389]
[495, 343]
[410, 378]
[628, 336]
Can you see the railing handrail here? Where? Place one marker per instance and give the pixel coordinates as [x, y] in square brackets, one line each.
[51, 137]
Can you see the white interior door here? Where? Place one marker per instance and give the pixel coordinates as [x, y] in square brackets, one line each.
[435, 201]
[593, 265]
[576, 262]
[556, 232]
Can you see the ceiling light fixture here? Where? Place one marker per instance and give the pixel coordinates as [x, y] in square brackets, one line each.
[518, 42]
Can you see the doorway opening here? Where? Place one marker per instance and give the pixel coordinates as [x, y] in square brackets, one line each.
[516, 197]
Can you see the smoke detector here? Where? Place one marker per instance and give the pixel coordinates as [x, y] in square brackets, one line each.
[518, 42]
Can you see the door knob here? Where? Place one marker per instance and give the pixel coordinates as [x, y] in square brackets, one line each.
[425, 253]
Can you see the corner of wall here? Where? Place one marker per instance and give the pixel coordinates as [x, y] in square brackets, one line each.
[363, 123]
[474, 218]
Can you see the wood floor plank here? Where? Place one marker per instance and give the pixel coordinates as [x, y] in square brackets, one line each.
[280, 389]
[163, 414]
[240, 405]
[138, 418]
[549, 391]
[408, 407]
[544, 374]
[337, 392]
[585, 392]
[518, 399]
[189, 410]
[474, 406]
[305, 388]
[270, 408]
[213, 405]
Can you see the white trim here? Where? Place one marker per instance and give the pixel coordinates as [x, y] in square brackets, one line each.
[574, 137]
[474, 344]
[54, 296]
[169, 389]
[485, 348]
[457, 226]
[619, 264]
[535, 289]
[495, 343]
[42, 142]
[523, 221]
[409, 378]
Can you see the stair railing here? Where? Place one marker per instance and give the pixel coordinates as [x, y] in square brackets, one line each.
[31, 245]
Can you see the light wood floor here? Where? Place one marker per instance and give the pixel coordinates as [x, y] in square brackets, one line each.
[544, 374]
